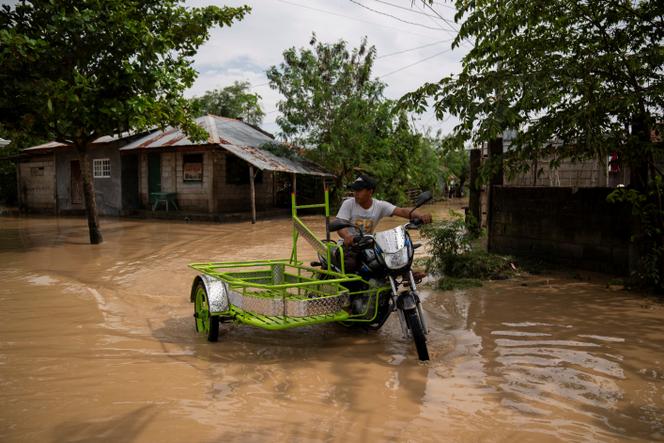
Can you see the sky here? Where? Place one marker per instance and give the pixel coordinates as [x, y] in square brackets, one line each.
[408, 54]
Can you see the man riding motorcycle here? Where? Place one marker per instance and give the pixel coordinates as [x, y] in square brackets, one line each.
[364, 212]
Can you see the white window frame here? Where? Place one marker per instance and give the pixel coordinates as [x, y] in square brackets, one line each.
[101, 168]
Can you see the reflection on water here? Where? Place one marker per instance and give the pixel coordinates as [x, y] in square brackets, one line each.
[97, 343]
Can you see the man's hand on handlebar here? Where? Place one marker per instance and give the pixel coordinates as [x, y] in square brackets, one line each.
[424, 219]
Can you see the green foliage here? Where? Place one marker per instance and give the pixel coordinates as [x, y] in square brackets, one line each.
[648, 210]
[74, 71]
[454, 258]
[234, 101]
[450, 283]
[19, 140]
[336, 111]
[454, 159]
[282, 150]
[589, 74]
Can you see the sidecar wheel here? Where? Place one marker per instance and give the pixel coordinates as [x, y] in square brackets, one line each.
[415, 326]
[205, 323]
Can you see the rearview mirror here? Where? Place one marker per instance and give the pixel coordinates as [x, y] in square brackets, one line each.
[338, 224]
[423, 198]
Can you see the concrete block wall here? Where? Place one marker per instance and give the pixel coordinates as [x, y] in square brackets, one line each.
[564, 225]
[587, 173]
[36, 186]
[108, 190]
[193, 196]
[231, 198]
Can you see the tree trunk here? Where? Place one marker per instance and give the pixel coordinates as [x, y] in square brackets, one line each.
[495, 154]
[89, 195]
[474, 202]
[638, 170]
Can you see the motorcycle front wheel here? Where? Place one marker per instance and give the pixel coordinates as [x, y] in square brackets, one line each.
[415, 326]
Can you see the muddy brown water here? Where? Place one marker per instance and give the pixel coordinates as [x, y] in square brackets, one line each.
[98, 344]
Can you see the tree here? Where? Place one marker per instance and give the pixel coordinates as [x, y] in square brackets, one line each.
[334, 109]
[588, 74]
[454, 160]
[73, 71]
[234, 101]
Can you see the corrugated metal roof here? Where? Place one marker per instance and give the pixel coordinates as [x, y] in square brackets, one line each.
[103, 139]
[220, 130]
[266, 160]
[235, 136]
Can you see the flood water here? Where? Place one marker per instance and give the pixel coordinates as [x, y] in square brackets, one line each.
[97, 343]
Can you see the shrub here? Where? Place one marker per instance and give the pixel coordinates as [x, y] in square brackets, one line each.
[454, 257]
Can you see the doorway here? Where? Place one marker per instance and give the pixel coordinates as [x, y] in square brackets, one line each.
[130, 200]
[76, 183]
[154, 175]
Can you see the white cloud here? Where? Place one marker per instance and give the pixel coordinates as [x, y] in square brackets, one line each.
[249, 47]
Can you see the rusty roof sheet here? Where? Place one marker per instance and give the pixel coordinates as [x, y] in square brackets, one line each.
[103, 139]
[266, 160]
[219, 129]
[235, 136]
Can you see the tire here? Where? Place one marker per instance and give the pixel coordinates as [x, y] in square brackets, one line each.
[205, 324]
[415, 326]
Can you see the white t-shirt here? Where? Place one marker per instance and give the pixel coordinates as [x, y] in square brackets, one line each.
[367, 219]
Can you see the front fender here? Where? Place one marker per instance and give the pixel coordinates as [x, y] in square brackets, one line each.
[407, 300]
[217, 292]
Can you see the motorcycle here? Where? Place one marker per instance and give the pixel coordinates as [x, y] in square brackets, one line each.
[384, 259]
[279, 294]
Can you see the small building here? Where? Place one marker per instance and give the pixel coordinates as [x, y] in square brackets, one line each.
[230, 172]
[49, 177]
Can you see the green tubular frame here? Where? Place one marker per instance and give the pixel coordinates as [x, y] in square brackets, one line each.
[255, 279]
[299, 226]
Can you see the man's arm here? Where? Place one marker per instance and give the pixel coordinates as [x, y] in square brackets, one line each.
[345, 215]
[346, 235]
[405, 213]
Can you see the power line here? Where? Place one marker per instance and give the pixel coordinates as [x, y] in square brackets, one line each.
[414, 49]
[450, 24]
[444, 5]
[415, 11]
[352, 18]
[416, 63]
[395, 17]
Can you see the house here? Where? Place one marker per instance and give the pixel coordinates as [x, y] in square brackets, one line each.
[49, 177]
[230, 172]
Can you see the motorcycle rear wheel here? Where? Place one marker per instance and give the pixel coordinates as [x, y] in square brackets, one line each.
[415, 326]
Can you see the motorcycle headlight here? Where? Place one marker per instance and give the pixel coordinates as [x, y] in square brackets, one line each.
[396, 260]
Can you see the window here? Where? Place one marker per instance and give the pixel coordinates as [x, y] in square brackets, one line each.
[192, 167]
[101, 168]
[237, 171]
[37, 171]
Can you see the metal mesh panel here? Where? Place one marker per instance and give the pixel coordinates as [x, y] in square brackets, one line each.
[264, 306]
[313, 241]
[316, 306]
[278, 274]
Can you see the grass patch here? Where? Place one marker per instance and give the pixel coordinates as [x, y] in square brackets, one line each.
[449, 283]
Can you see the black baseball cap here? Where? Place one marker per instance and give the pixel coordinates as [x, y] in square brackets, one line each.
[363, 181]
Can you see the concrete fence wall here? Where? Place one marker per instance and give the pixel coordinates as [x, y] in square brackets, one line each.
[573, 226]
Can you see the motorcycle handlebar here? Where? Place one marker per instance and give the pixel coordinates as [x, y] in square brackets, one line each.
[414, 223]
